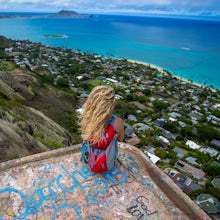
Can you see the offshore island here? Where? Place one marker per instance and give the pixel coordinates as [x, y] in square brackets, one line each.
[173, 121]
[60, 14]
[56, 35]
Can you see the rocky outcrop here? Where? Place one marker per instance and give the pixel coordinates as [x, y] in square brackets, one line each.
[4, 42]
[17, 85]
[31, 115]
[16, 143]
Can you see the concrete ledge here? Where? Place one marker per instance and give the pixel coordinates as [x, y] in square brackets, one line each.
[38, 157]
[182, 200]
[137, 175]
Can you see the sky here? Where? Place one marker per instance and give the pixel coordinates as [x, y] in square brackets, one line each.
[166, 7]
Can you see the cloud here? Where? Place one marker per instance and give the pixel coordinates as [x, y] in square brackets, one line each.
[144, 6]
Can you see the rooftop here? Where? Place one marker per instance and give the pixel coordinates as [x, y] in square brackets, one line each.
[56, 185]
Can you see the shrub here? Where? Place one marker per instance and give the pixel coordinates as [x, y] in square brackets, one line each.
[52, 144]
[213, 170]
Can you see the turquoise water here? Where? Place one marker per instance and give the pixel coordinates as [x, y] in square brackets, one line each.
[187, 48]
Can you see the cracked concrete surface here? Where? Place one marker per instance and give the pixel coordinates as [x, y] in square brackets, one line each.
[56, 185]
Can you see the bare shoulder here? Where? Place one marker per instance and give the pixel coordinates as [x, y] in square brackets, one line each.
[119, 121]
[119, 127]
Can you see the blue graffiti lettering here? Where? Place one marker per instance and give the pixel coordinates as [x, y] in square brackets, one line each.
[111, 176]
[85, 169]
[22, 195]
[66, 189]
[51, 191]
[88, 196]
[91, 218]
[94, 194]
[33, 204]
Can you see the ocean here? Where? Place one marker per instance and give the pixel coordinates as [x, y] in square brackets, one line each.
[188, 48]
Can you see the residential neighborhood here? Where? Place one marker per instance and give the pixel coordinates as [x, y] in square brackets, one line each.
[173, 121]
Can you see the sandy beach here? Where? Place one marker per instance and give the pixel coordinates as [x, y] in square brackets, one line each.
[161, 70]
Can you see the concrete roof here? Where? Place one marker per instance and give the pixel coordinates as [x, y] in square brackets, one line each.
[208, 203]
[216, 182]
[56, 185]
[192, 144]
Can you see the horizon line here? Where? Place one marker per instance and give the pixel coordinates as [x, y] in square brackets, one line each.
[141, 14]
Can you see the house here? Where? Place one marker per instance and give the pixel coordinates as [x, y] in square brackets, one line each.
[179, 153]
[163, 139]
[216, 182]
[84, 95]
[195, 98]
[195, 172]
[215, 143]
[132, 118]
[139, 105]
[152, 99]
[79, 111]
[129, 131]
[192, 144]
[183, 182]
[9, 50]
[152, 157]
[138, 93]
[188, 106]
[212, 152]
[195, 115]
[151, 150]
[196, 107]
[160, 122]
[112, 80]
[79, 77]
[172, 119]
[216, 106]
[168, 134]
[148, 82]
[142, 127]
[213, 119]
[191, 160]
[208, 203]
[161, 94]
[182, 124]
[174, 115]
[118, 96]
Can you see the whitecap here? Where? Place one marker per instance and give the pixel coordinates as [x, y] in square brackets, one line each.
[185, 48]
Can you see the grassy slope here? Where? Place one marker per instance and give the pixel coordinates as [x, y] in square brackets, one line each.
[27, 102]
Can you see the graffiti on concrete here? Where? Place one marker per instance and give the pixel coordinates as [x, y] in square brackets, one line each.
[65, 188]
[140, 208]
[56, 189]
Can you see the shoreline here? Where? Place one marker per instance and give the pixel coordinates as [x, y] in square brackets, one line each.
[161, 70]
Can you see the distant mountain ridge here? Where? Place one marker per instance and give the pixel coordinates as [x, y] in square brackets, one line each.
[69, 14]
[60, 14]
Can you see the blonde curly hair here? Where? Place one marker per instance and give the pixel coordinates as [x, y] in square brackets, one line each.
[98, 109]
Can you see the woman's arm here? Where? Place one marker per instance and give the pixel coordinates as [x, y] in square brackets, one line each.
[119, 127]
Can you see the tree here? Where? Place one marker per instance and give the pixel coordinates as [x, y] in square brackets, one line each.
[160, 153]
[160, 105]
[62, 83]
[76, 68]
[171, 126]
[147, 92]
[142, 99]
[213, 170]
[187, 131]
[214, 192]
[48, 78]
[206, 132]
